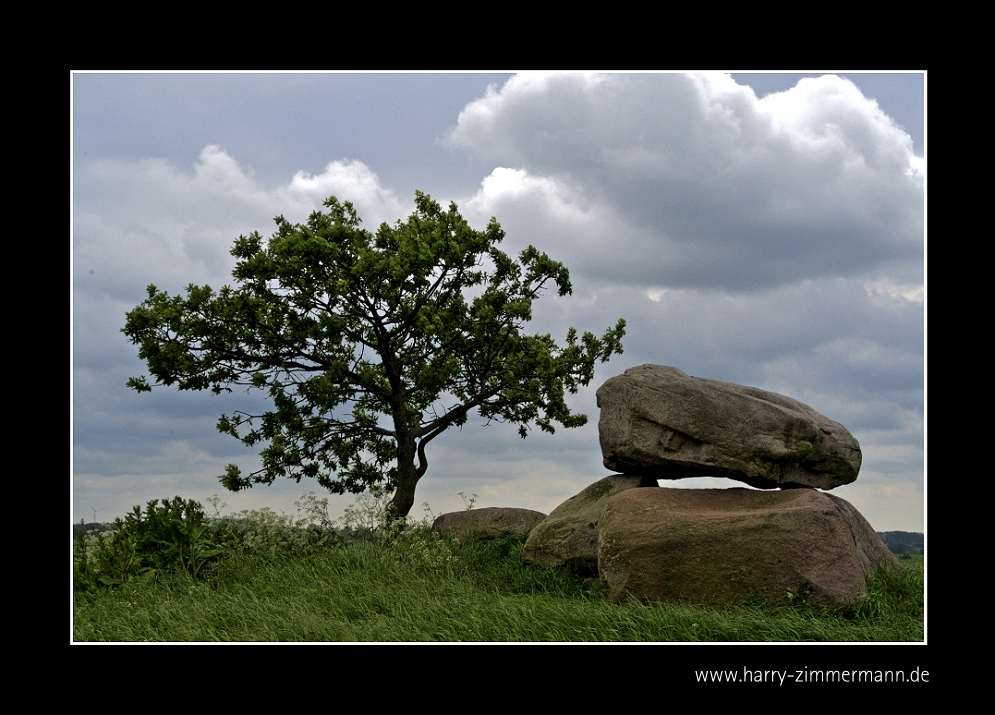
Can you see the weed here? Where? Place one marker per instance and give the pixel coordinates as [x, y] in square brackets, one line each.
[175, 535]
[367, 514]
[263, 531]
[107, 559]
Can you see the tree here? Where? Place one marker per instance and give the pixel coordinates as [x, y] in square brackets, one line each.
[369, 345]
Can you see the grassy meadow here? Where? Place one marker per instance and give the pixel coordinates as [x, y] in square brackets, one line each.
[262, 577]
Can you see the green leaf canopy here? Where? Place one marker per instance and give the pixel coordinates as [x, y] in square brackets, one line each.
[369, 345]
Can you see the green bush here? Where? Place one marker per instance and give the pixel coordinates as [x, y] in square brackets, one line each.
[169, 535]
[107, 559]
[176, 535]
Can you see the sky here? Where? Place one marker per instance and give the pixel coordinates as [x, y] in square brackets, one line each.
[762, 229]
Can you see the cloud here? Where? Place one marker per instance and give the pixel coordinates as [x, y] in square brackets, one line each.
[148, 221]
[691, 181]
[912, 293]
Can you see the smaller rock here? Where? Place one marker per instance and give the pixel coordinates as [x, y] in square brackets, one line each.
[569, 535]
[488, 523]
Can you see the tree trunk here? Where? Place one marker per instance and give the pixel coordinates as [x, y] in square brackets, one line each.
[407, 478]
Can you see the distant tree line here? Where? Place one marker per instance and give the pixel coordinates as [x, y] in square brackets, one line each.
[91, 528]
[903, 542]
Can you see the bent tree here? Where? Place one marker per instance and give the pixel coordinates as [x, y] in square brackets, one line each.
[369, 345]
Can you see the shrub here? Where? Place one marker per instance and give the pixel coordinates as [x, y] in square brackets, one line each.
[169, 535]
[176, 535]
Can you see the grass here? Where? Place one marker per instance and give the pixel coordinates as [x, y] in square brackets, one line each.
[427, 589]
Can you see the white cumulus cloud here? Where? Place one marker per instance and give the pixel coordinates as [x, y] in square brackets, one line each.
[705, 185]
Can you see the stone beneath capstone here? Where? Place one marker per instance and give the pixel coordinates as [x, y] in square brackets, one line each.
[660, 422]
[569, 535]
[487, 523]
[719, 547]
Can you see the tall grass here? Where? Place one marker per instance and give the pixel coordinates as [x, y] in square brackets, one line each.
[423, 588]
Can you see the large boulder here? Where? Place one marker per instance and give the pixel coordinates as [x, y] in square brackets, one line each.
[660, 422]
[569, 535]
[721, 546]
[487, 523]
